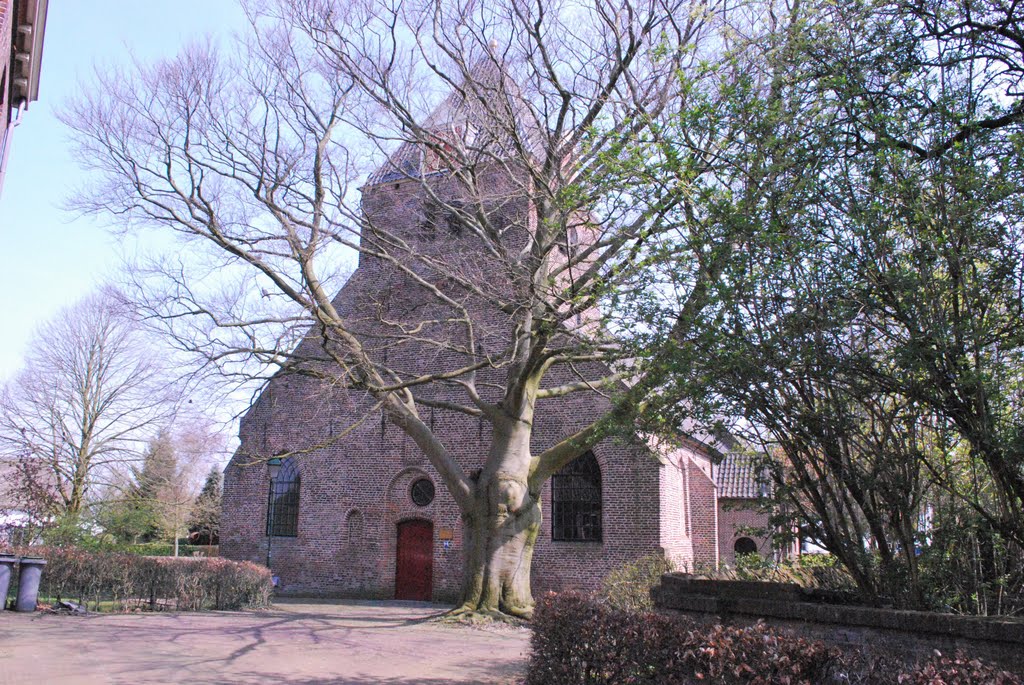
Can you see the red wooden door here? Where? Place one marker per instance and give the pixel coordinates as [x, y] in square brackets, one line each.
[414, 566]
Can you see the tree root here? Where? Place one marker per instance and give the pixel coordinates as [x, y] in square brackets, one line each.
[474, 616]
[521, 613]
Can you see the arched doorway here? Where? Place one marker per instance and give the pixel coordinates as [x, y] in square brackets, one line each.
[745, 546]
[414, 562]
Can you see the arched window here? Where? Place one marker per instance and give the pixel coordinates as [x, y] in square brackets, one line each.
[283, 501]
[745, 546]
[576, 501]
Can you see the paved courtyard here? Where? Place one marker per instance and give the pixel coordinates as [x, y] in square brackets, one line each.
[298, 642]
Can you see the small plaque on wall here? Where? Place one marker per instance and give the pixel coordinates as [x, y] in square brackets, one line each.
[445, 534]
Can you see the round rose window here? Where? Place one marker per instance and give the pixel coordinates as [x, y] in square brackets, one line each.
[422, 492]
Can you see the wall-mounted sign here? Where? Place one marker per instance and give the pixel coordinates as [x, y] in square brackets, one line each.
[445, 534]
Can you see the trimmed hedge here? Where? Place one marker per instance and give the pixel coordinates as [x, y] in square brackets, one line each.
[577, 641]
[127, 582]
[166, 549]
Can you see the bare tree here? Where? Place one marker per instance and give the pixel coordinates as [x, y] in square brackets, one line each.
[88, 394]
[197, 443]
[546, 137]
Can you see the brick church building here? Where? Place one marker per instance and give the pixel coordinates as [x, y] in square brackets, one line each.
[367, 515]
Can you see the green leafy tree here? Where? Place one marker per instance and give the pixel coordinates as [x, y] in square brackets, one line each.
[868, 329]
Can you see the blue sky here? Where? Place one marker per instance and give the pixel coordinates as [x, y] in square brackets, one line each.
[50, 258]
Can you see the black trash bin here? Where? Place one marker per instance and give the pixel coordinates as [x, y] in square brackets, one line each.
[7, 563]
[30, 571]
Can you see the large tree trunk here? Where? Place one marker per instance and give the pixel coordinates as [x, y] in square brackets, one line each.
[501, 530]
[499, 554]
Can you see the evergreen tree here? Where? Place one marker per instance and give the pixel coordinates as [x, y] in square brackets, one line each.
[154, 479]
[119, 513]
[204, 520]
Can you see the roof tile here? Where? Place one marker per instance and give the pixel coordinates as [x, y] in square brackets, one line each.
[739, 477]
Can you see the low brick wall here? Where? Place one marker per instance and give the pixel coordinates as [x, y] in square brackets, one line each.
[906, 634]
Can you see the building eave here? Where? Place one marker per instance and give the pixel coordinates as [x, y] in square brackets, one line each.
[29, 28]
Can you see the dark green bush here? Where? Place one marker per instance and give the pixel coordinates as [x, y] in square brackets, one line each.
[124, 582]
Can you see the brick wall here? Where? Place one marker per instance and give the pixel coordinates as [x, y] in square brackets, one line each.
[674, 530]
[687, 511]
[370, 472]
[906, 634]
[734, 517]
[704, 514]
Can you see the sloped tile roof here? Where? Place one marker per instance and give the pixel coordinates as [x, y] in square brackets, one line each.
[737, 477]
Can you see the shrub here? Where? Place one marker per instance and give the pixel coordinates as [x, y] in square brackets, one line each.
[815, 571]
[629, 586]
[956, 670]
[579, 641]
[124, 582]
[166, 549]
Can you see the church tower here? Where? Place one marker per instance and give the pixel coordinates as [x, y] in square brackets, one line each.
[352, 507]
